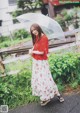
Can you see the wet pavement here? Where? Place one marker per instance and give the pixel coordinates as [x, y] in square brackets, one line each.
[70, 105]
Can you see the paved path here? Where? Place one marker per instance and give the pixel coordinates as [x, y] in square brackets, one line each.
[70, 105]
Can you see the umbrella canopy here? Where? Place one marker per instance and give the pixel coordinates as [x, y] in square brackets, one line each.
[49, 26]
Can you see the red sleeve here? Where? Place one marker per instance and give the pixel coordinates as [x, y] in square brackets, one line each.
[44, 44]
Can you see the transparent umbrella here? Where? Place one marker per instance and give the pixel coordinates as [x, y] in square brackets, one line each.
[49, 26]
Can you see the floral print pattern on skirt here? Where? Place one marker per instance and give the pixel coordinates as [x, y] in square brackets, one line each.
[42, 82]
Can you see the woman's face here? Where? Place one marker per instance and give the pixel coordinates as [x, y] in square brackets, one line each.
[34, 31]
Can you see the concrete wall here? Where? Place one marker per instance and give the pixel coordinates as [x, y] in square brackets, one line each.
[5, 16]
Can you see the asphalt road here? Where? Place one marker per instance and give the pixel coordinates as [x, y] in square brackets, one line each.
[70, 105]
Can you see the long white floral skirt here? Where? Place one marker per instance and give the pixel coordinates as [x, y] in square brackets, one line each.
[42, 82]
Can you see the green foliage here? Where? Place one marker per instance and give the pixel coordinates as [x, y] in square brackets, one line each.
[64, 68]
[64, 12]
[21, 4]
[5, 44]
[18, 65]
[16, 90]
[68, 17]
[78, 77]
[22, 33]
[28, 5]
[3, 38]
[9, 43]
[16, 13]
[61, 21]
[61, 87]
[74, 84]
[17, 36]
[14, 42]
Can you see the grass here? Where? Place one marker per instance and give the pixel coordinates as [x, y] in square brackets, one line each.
[18, 65]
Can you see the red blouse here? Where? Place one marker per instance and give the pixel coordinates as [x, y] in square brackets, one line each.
[42, 46]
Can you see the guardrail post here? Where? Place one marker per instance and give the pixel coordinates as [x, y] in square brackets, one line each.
[77, 35]
[2, 66]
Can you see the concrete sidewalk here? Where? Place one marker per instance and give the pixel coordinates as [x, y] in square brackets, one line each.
[70, 105]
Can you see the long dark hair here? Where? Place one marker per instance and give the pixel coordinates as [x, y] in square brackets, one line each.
[38, 28]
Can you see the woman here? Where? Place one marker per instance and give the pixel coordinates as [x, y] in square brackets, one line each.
[42, 82]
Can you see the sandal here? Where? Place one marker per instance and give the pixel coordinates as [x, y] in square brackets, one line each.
[43, 103]
[60, 98]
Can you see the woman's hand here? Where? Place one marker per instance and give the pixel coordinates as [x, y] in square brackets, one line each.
[30, 51]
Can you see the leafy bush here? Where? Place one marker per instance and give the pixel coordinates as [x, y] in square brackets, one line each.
[22, 33]
[65, 68]
[16, 90]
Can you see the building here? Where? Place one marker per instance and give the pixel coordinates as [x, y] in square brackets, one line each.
[6, 19]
